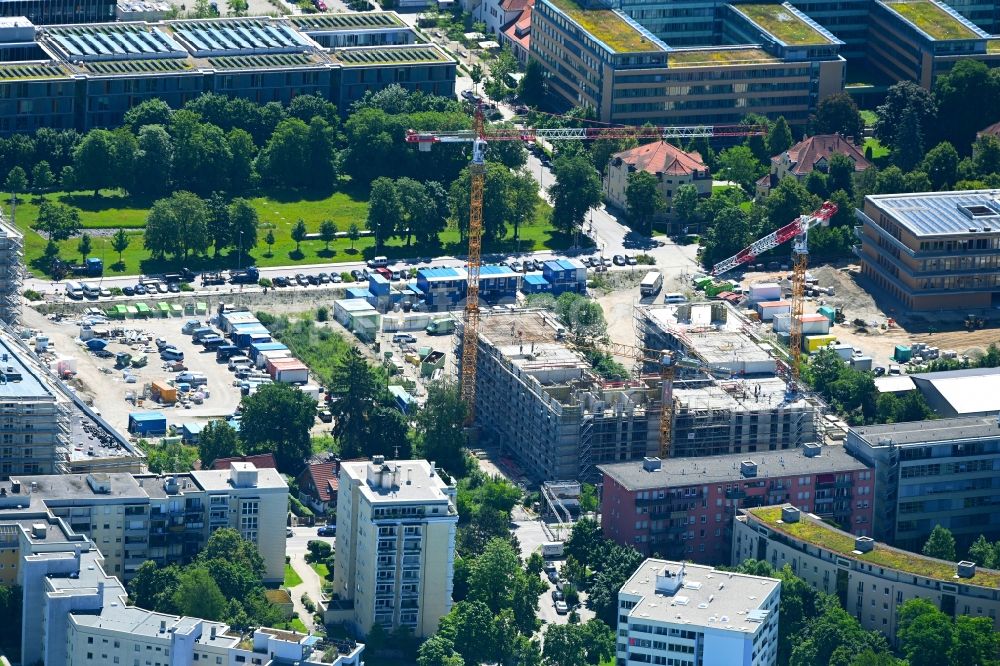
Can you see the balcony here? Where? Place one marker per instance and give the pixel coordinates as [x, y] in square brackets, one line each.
[736, 494]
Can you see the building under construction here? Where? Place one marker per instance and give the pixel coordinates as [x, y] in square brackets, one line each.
[745, 406]
[11, 272]
[541, 402]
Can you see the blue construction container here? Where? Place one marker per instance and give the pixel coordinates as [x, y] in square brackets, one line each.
[378, 285]
[147, 423]
[358, 292]
[535, 284]
[565, 275]
[443, 287]
[244, 339]
[498, 284]
[258, 347]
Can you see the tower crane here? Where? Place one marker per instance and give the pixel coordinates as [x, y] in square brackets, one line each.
[798, 232]
[479, 136]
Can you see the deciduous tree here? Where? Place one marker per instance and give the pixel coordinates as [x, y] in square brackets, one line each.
[941, 165]
[84, 246]
[177, 225]
[153, 162]
[940, 544]
[218, 440]
[42, 178]
[890, 114]
[779, 139]
[58, 221]
[385, 209]
[645, 201]
[531, 88]
[16, 182]
[839, 114]
[276, 419]
[299, 234]
[739, 165]
[93, 161]
[120, 242]
[440, 428]
[577, 189]
[243, 223]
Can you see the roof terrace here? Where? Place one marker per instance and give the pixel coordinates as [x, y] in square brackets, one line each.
[716, 57]
[608, 27]
[352, 21]
[824, 536]
[933, 19]
[411, 54]
[784, 23]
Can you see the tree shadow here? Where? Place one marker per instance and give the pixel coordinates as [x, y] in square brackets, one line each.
[286, 196]
[351, 251]
[118, 267]
[296, 255]
[91, 204]
[326, 254]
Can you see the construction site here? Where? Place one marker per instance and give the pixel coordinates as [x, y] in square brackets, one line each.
[538, 399]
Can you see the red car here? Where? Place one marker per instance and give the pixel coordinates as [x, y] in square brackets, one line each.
[320, 5]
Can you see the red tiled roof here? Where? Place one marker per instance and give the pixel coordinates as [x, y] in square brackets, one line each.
[807, 153]
[993, 130]
[516, 5]
[261, 461]
[324, 478]
[661, 157]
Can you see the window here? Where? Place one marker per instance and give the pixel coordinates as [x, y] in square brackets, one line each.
[90, 640]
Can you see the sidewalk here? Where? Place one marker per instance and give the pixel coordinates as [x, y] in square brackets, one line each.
[311, 585]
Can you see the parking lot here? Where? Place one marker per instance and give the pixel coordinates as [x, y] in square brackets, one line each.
[107, 387]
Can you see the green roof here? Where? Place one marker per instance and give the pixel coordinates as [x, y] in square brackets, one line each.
[721, 56]
[403, 55]
[607, 26]
[783, 24]
[139, 66]
[818, 533]
[993, 46]
[262, 60]
[352, 21]
[932, 19]
[29, 71]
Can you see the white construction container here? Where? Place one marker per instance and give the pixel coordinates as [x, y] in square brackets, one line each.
[812, 324]
[271, 354]
[765, 291]
[862, 363]
[292, 372]
[769, 309]
[846, 352]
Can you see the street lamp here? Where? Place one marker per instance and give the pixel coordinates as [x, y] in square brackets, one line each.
[239, 255]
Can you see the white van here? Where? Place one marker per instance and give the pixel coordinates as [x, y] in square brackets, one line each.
[651, 284]
[675, 297]
[378, 262]
[74, 290]
[240, 362]
[91, 290]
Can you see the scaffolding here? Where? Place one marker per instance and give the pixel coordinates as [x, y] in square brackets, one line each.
[11, 272]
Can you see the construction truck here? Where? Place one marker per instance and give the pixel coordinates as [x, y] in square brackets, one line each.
[441, 327]
[249, 276]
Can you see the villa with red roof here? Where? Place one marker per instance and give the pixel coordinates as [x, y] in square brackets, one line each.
[518, 34]
[318, 485]
[812, 153]
[672, 167]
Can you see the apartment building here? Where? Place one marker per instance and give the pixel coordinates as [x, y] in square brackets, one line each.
[741, 407]
[871, 580]
[541, 401]
[11, 272]
[929, 473]
[76, 613]
[934, 250]
[132, 518]
[86, 76]
[683, 509]
[671, 166]
[917, 40]
[396, 523]
[682, 614]
[616, 62]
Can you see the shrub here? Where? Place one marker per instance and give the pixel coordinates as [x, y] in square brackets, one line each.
[186, 287]
[116, 291]
[645, 260]
[346, 277]
[322, 313]
[298, 508]
[265, 282]
[32, 295]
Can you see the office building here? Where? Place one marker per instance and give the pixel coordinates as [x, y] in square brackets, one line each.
[630, 69]
[671, 166]
[47, 12]
[930, 473]
[871, 579]
[683, 508]
[86, 76]
[917, 40]
[76, 613]
[132, 518]
[541, 401]
[684, 614]
[741, 406]
[811, 154]
[935, 250]
[396, 523]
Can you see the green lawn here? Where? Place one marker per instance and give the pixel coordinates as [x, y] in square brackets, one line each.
[878, 150]
[295, 624]
[101, 216]
[321, 569]
[292, 577]
[869, 117]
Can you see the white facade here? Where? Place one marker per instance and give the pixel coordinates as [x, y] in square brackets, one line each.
[680, 614]
[396, 523]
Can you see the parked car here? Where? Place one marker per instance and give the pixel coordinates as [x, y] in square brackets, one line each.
[327, 530]
[630, 260]
[139, 290]
[281, 281]
[105, 292]
[128, 291]
[172, 354]
[404, 338]
[520, 109]
[174, 288]
[161, 287]
[325, 416]
[619, 260]
[324, 278]
[561, 607]
[301, 279]
[549, 566]
[289, 533]
[468, 94]
[356, 274]
[336, 279]
[879, 371]
[557, 595]
[553, 577]
[397, 275]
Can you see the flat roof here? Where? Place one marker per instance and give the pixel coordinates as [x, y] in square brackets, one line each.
[894, 384]
[812, 530]
[969, 391]
[784, 22]
[682, 472]
[112, 41]
[707, 598]
[255, 35]
[422, 487]
[921, 432]
[743, 395]
[404, 54]
[943, 213]
[56, 487]
[718, 56]
[12, 71]
[218, 479]
[19, 376]
[345, 21]
[934, 20]
[608, 27]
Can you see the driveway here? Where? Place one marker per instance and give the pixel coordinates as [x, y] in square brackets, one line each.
[296, 548]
